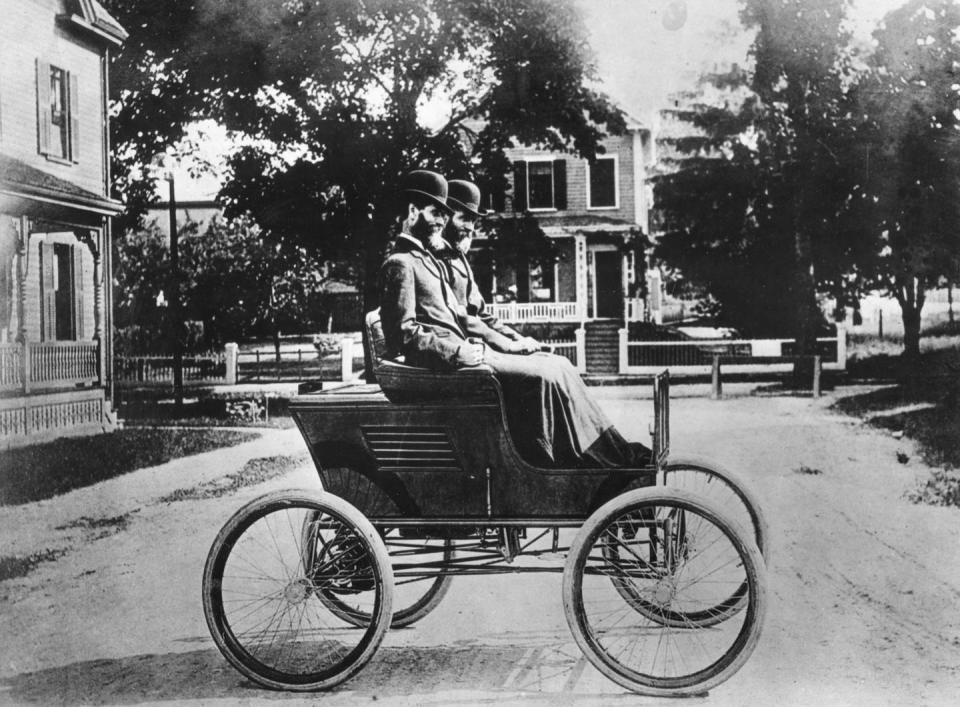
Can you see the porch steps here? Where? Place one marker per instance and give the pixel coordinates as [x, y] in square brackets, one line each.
[603, 346]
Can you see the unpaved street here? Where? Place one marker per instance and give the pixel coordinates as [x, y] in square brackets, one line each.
[864, 585]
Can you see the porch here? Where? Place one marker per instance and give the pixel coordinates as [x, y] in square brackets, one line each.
[49, 389]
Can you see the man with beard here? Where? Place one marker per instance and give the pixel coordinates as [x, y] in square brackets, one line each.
[464, 198]
[552, 420]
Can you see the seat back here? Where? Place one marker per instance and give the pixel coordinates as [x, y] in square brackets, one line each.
[376, 343]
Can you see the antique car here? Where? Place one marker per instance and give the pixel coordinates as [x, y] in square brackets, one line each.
[662, 569]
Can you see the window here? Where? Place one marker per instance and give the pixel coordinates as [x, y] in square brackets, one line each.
[57, 113]
[602, 184]
[61, 273]
[539, 184]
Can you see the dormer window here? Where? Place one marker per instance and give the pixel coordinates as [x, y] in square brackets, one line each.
[57, 113]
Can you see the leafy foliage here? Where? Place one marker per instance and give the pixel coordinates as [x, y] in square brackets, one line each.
[335, 99]
[232, 280]
[756, 207]
[911, 98]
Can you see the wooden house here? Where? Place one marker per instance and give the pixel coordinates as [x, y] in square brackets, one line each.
[55, 219]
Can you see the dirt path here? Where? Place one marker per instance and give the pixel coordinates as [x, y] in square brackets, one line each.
[864, 585]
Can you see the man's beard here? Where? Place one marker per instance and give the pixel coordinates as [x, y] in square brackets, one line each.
[459, 239]
[436, 243]
[427, 233]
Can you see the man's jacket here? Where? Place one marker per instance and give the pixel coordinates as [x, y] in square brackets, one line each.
[418, 311]
[480, 320]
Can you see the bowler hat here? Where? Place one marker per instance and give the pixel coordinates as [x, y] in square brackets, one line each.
[429, 184]
[464, 195]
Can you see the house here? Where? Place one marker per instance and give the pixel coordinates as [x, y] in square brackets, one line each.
[596, 213]
[55, 219]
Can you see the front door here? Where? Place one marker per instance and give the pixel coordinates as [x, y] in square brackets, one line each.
[608, 303]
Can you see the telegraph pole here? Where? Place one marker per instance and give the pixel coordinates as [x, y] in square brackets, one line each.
[175, 310]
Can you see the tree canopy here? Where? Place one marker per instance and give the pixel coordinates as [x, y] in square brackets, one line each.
[911, 156]
[336, 99]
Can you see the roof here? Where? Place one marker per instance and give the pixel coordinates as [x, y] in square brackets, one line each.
[19, 179]
[91, 15]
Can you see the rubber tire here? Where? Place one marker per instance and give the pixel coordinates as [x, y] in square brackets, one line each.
[234, 528]
[736, 485]
[722, 669]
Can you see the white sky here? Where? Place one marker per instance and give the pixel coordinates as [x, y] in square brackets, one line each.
[641, 61]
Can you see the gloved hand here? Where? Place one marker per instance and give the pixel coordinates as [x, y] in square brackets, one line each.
[469, 355]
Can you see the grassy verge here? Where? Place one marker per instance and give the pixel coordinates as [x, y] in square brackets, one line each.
[46, 470]
[927, 410]
[254, 472]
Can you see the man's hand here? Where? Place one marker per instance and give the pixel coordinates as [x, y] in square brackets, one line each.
[469, 355]
[529, 345]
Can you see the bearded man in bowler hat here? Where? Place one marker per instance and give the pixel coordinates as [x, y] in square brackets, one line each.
[551, 419]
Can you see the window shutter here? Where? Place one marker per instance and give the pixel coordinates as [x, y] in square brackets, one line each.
[560, 184]
[48, 295]
[77, 292]
[520, 186]
[43, 107]
[498, 201]
[74, 111]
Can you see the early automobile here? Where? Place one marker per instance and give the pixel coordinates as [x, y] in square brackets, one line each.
[663, 581]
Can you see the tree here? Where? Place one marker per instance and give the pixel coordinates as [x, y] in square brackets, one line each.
[240, 284]
[234, 282]
[911, 194]
[756, 210]
[334, 96]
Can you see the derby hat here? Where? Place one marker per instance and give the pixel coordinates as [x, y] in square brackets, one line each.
[464, 195]
[423, 182]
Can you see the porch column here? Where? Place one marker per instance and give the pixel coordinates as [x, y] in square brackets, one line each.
[580, 259]
[93, 240]
[22, 231]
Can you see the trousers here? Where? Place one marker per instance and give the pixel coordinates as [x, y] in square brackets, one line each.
[552, 418]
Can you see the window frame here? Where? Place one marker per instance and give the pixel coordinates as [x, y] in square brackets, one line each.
[553, 184]
[58, 140]
[616, 183]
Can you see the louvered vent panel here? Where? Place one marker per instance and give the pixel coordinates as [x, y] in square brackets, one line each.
[402, 447]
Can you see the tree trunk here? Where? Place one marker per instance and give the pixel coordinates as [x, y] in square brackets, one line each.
[910, 294]
[807, 313]
[276, 343]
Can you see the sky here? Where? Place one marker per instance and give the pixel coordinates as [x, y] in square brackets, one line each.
[641, 61]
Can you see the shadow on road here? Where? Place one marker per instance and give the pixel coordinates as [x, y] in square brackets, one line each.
[393, 672]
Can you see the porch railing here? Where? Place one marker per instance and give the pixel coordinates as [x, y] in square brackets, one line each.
[49, 364]
[516, 312]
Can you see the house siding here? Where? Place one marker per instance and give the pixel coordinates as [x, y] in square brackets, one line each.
[577, 204]
[25, 37]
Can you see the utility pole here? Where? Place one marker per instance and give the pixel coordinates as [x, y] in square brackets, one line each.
[175, 309]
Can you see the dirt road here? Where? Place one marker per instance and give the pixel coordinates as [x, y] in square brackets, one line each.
[864, 585]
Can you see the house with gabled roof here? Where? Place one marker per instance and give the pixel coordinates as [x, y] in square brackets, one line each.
[55, 219]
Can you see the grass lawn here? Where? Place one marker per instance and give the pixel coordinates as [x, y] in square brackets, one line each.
[927, 411]
[43, 471]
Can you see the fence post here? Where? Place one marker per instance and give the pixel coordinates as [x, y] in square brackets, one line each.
[580, 335]
[231, 356]
[624, 361]
[842, 346]
[716, 387]
[816, 376]
[346, 359]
